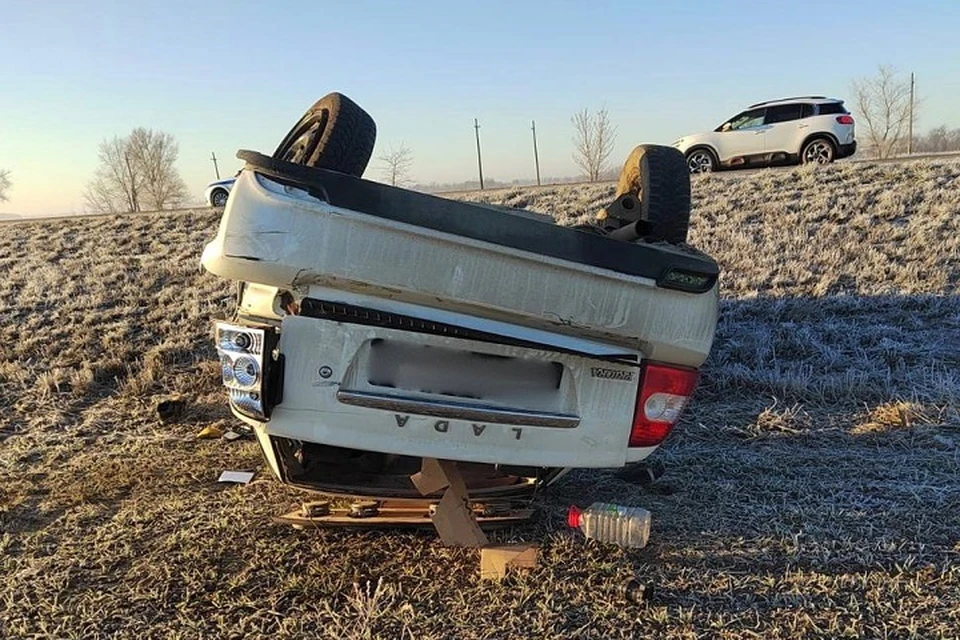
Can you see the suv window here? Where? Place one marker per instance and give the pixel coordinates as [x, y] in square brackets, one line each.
[747, 119]
[831, 107]
[807, 110]
[783, 113]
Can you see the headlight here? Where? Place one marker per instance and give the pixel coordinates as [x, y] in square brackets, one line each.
[250, 367]
[246, 371]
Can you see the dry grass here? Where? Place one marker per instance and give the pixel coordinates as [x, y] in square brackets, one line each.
[811, 492]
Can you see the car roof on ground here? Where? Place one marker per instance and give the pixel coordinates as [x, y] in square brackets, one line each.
[810, 99]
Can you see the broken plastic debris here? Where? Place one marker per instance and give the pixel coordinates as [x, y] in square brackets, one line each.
[239, 477]
[170, 409]
[232, 435]
[210, 432]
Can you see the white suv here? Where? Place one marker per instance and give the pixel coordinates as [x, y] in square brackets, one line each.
[786, 131]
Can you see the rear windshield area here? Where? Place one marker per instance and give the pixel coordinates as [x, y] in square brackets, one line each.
[831, 107]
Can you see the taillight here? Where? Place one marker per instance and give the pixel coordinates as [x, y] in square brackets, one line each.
[663, 393]
[845, 119]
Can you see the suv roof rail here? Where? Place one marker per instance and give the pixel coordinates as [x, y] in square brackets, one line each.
[786, 99]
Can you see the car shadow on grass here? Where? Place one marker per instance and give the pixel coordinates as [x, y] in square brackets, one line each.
[822, 442]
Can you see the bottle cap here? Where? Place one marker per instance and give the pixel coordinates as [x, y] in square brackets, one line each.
[636, 591]
[573, 516]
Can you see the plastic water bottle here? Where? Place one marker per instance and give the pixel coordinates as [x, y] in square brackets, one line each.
[605, 522]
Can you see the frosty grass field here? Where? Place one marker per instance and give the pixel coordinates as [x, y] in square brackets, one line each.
[810, 491]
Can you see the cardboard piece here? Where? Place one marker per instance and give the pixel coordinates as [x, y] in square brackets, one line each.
[455, 523]
[495, 560]
[453, 518]
[240, 477]
[431, 477]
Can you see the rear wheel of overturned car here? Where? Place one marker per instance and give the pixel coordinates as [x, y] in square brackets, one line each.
[665, 194]
[701, 161]
[334, 134]
[818, 151]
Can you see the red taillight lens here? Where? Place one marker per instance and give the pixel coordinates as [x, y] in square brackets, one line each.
[845, 119]
[663, 394]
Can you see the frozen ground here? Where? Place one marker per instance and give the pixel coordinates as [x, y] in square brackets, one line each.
[811, 491]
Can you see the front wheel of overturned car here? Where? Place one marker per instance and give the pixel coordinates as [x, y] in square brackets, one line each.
[818, 151]
[334, 134]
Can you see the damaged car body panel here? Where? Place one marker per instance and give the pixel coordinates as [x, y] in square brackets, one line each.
[387, 326]
[276, 236]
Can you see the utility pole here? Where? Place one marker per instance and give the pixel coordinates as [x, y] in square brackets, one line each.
[536, 156]
[910, 127]
[476, 126]
[213, 156]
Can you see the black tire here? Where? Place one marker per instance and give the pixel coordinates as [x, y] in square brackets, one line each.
[701, 160]
[334, 134]
[665, 194]
[818, 151]
[219, 198]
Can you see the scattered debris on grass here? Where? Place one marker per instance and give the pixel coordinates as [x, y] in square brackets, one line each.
[238, 477]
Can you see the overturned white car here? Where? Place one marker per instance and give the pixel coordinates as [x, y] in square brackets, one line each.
[377, 326]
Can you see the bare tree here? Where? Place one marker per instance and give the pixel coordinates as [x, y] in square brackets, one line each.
[137, 173]
[938, 140]
[883, 102]
[5, 184]
[155, 154]
[396, 165]
[115, 186]
[593, 140]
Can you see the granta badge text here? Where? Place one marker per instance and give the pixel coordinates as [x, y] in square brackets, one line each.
[612, 374]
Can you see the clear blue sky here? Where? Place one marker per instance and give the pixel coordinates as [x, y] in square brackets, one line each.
[221, 76]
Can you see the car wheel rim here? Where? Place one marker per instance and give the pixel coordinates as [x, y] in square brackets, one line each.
[219, 199]
[306, 141]
[819, 153]
[700, 162]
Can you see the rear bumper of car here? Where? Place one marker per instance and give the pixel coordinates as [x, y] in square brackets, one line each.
[846, 150]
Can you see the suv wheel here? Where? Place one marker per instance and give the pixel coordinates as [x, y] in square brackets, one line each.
[701, 161]
[818, 151]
